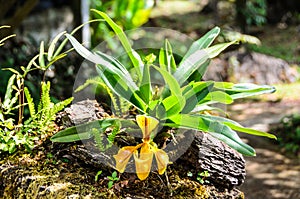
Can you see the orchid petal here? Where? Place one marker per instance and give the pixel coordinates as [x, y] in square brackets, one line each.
[162, 160]
[147, 124]
[123, 157]
[143, 161]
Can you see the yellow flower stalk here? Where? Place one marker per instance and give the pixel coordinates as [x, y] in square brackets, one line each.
[143, 158]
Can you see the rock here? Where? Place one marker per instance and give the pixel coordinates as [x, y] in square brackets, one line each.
[225, 166]
[251, 67]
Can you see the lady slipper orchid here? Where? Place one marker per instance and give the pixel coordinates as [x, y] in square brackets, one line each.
[143, 153]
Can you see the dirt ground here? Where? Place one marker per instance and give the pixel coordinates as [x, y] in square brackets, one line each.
[271, 174]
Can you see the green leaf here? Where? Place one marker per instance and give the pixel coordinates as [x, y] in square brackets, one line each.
[97, 175]
[82, 132]
[62, 45]
[110, 184]
[202, 108]
[249, 130]
[166, 58]
[113, 74]
[218, 48]
[170, 81]
[238, 127]
[215, 128]
[41, 55]
[9, 91]
[105, 61]
[134, 56]
[202, 43]
[171, 105]
[119, 86]
[217, 97]
[13, 71]
[243, 90]
[45, 97]
[195, 92]
[114, 174]
[197, 61]
[55, 59]
[52, 45]
[85, 131]
[61, 105]
[145, 91]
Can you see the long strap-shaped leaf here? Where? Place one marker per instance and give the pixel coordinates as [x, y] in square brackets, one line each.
[202, 43]
[243, 90]
[119, 86]
[238, 127]
[84, 131]
[190, 65]
[195, 61]
[113, 73]
[133, 55]
[195, 92]
[215, 128]
[103, 60]
[166, 58]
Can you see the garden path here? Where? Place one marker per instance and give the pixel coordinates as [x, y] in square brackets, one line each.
[271, 174]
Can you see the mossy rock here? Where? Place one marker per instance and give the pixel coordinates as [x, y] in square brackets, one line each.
[56, 179]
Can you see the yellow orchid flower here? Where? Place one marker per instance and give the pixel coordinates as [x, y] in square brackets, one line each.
[143, 158]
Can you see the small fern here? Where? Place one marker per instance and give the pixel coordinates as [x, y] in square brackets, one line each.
[30, 102]
[45, 102]
[104, 140]
[111, 137]
[43, 118]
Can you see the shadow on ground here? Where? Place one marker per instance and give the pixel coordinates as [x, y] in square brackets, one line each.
[270, 175]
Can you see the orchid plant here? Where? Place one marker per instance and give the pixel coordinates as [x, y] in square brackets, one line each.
[183, 102]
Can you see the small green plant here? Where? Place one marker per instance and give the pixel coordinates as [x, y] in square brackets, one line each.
[254, 12]
[201, 177]
[15, 132]
[112, 179]
[97, 175]
[183, 102]
[289, 134]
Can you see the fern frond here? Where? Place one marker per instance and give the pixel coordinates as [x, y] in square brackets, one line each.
[30, 102]
[98, 137]
[59, 106]
[88, 82]
[111, 137]
[45, 97]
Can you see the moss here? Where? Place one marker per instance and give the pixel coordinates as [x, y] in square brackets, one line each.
[39, 176]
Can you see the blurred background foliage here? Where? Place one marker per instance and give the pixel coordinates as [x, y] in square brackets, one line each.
[193, 17]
